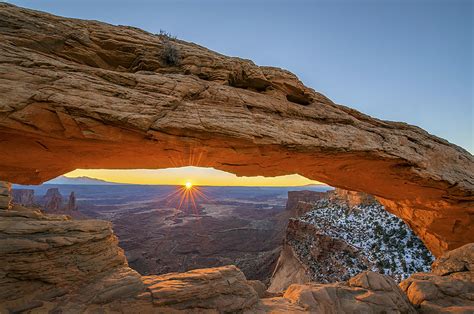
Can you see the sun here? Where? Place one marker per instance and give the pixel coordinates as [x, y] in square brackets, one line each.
[188, 185]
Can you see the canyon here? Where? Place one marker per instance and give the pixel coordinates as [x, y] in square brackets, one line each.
[86, 271]
[242, 226]
[85, 94]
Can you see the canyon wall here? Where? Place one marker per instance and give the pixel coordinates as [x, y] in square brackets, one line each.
[300, 202]
[50, 263]
[85, 94]
[353, 198]
[343, 233]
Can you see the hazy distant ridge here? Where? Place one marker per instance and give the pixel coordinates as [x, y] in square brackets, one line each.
[80, 181]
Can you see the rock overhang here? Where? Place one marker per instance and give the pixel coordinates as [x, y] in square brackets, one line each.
[85, 94]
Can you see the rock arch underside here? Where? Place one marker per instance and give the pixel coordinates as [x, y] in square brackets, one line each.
[85, 94]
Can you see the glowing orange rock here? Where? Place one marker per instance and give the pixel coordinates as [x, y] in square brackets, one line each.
[84, 94]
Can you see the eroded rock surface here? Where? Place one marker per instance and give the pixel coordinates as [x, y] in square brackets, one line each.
[367, 292]
[449, 288]
[5, 195]
[51, 258]
[53, 200]
[342, 234]
[299, 202]
[223, 289]
[353, 198]
[85, 94]
[52, 263]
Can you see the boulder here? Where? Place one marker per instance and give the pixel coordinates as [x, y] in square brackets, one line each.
[367, 292]
[223, 289]
[449, 288]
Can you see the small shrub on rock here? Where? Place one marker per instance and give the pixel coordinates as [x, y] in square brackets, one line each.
[170, 54]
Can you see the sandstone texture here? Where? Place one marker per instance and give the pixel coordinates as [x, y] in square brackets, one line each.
[86, 272]
[299, 202]
[367, 292]
[5, 195]
[288, 270]
[85, 94]
[353, 198]
[449, 288]
[51, 263]
[223, 289]
[51, 258]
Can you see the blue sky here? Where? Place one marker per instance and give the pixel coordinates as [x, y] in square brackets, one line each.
[396, 60]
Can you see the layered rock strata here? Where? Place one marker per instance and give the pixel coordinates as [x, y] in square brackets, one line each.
[299, 202]
[50, 263]
[367, 292]
[353, 198]
[5, 195]
[85, 94]
[448, 288]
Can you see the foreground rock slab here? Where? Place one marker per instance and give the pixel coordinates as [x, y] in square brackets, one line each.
[368, 292]
[224, 289]
[449, 288]
[85, 94]
[51, 263]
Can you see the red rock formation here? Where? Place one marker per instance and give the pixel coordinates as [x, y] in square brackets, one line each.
[71, 204]
[353, 198]
[329, 252]
[288, 270]
[25, 197]
[84, 94]
[85, 271]
[53, 200]
[367, 292]
[299, 202]
[448, 288]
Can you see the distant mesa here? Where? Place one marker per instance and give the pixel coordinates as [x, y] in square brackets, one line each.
[24, 197]
[80, 181]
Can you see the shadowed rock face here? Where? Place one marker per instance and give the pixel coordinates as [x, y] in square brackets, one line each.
[53, 200]
[25, 197]
[5, 195]
[84, 94]
[71, 204]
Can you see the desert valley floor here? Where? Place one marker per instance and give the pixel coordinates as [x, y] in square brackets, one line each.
[243, 226]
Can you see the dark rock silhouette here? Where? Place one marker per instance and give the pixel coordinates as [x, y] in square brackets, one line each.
[25, 197]
[53, 200]
[71, 205]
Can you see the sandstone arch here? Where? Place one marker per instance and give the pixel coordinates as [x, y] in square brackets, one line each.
[84, 94]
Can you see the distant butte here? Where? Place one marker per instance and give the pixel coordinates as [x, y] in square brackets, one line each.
[85, 94]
